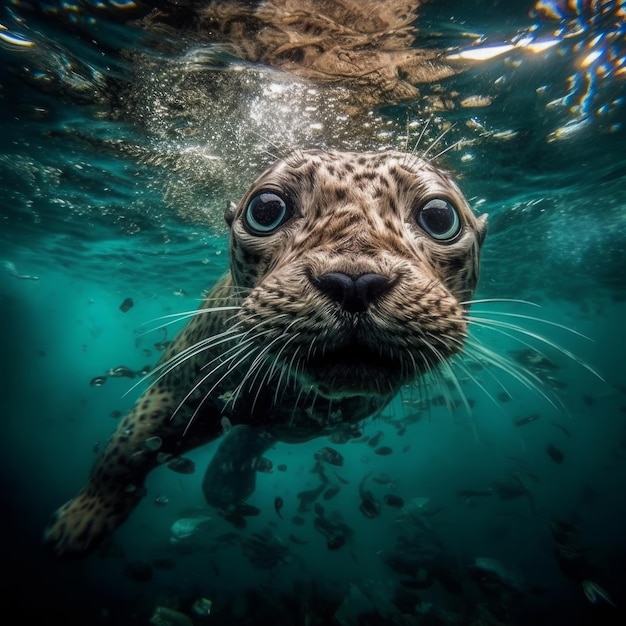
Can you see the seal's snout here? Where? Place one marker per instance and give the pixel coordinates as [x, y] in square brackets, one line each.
[354, 294]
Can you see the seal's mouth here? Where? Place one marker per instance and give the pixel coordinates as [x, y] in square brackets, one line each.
[354, 369]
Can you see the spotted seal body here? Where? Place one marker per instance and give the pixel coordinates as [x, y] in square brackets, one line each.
[349, 278]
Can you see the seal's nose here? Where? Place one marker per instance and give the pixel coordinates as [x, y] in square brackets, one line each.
[354, 294]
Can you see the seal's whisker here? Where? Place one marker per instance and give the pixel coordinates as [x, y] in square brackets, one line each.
[254, 369]
[268, 372]
[442, 152]
[498, 326]
[525, 377]
[530, 318]
[421, 135]
[244, 346]
[498, 301]
[183, 315]
[283, 368]
[164, 368]
[435, 142]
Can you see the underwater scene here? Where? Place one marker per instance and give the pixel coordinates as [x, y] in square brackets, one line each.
[256, 462]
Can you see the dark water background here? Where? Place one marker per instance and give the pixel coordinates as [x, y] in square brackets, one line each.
[95, 210]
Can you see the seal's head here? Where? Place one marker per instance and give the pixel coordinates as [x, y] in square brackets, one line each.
[359, 266]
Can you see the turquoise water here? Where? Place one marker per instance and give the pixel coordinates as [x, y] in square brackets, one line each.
[106, 198]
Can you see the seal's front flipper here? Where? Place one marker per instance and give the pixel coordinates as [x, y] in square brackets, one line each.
[230, 477]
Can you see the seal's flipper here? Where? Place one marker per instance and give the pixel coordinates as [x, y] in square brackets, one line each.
[230, 477]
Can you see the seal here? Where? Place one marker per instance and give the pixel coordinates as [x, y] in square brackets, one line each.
[350, 277]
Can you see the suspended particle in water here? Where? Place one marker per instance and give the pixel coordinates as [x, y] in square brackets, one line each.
[127, 305]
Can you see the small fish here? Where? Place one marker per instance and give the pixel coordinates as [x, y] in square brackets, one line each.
[329, 455]
[331, 492]
[121, 371]
[376, 439]
[98, 381]
[383, 451]
[522, 421]
[281, 467]
[394, 501]
[595, 593]
[504, 396]
[278, 505]
[115, 414]
[297, 540]
[226, 425]
[161, 500]
[182, 465]
[248, 510]
[127, 305]
[383, 479]
[555, 454]
[298, 521]
[144, 370]
[202, 607]
[162, 345]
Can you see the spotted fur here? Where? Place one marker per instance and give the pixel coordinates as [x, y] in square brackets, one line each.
[288, 354]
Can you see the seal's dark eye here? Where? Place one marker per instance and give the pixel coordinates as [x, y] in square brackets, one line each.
[265, 213]
[439, 219]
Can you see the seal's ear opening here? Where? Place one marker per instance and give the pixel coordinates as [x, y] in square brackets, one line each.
[229, 212]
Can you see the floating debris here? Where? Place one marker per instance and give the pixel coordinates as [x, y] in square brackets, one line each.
[163, 616]
[9, 266]
[522, 421]
[278, 505]
[182, 465]
[555, 454]
[127, 305]
[504, 396]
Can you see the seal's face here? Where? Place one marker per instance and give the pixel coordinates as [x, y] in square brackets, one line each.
[358, 267]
